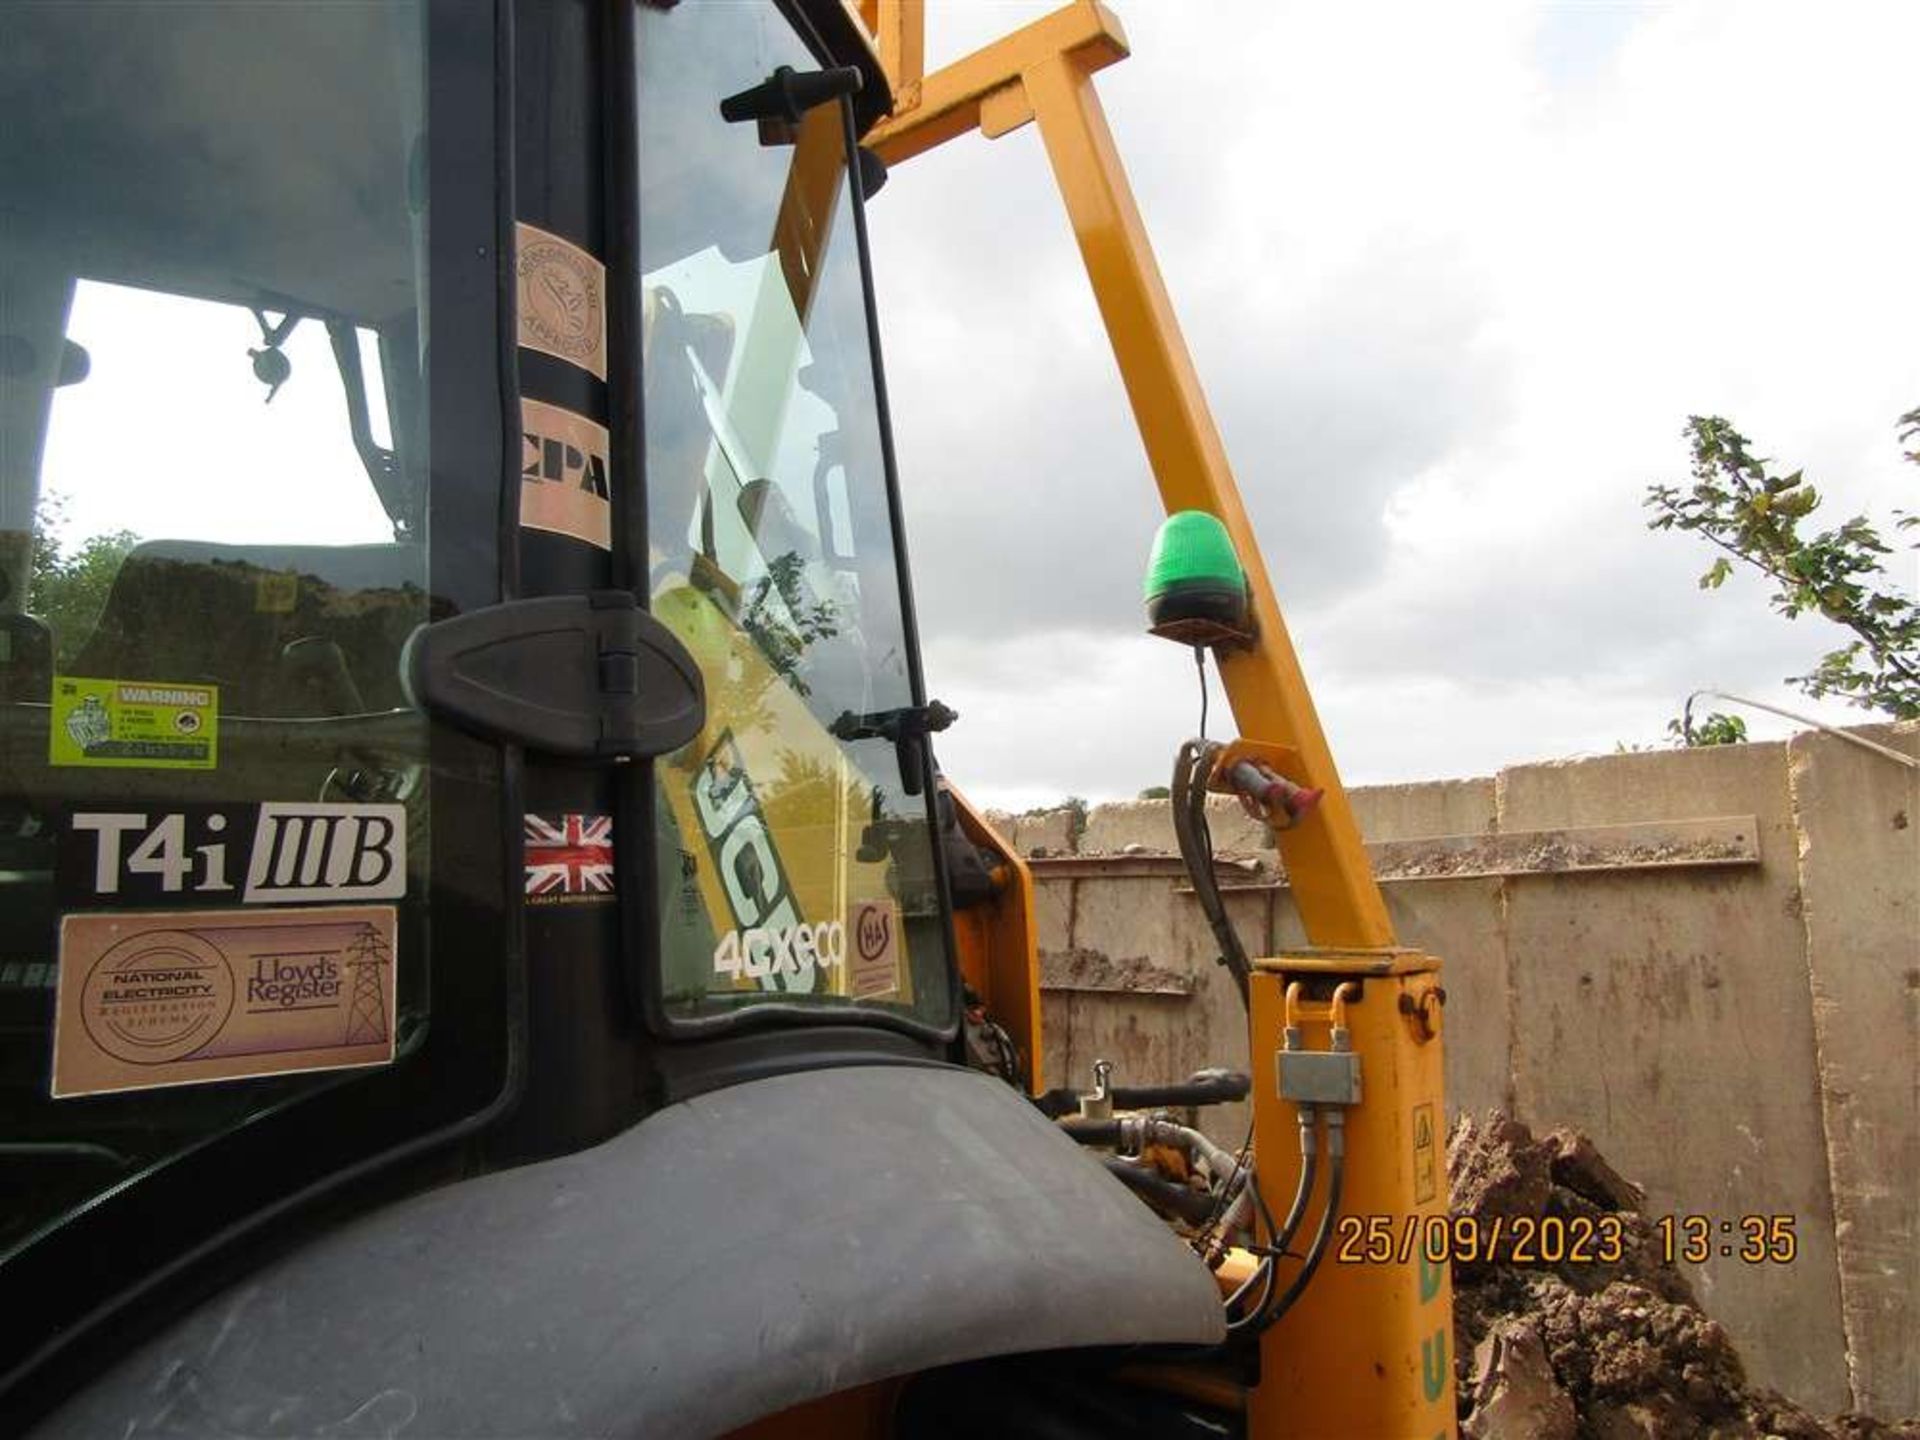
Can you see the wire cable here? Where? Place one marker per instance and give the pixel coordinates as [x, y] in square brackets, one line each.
[1200, 665]
[1686, 721]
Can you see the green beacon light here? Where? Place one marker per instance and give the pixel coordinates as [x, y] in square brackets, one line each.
[1196, 592]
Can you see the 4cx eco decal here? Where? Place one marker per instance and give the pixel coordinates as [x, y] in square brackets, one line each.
[772, 946]
[278, 852]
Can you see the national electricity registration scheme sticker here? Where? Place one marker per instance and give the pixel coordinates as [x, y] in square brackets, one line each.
[134, 724]
[181, 997]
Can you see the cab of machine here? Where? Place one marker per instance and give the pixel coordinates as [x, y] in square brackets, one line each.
[319, 332]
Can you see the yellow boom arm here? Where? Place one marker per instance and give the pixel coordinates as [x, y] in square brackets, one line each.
[1366, 1349]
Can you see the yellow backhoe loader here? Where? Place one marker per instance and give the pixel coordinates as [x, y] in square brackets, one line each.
[485, 946]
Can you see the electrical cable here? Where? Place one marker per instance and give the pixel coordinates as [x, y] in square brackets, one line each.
[1686, 722]
[1200, 665]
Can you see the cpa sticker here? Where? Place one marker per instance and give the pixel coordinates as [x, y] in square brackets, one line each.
[873, 958]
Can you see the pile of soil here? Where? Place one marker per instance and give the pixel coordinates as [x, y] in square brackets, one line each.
[1594, 1349]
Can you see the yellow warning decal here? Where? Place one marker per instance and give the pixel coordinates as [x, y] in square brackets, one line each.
[134, 724]
[1426, 1155]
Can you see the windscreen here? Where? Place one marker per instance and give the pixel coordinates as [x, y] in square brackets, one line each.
[796, 853]
[213, 795]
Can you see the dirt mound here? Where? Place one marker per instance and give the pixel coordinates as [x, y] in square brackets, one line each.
[1604, 1340]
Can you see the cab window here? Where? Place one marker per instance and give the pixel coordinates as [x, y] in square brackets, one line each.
[797, 861]
[214, 847]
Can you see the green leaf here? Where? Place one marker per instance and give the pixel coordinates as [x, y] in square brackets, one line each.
[1716, 577]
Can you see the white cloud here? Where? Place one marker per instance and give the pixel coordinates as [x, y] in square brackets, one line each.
[1455, 277]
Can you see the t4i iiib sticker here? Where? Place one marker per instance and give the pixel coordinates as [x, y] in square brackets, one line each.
[277, 852]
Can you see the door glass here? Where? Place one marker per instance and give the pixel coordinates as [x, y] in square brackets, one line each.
[795, 865]
[213, 800]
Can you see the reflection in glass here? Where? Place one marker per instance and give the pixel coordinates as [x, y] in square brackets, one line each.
[212, 476]
[795, 865]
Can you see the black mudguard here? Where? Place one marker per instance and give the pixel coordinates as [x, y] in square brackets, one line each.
[731, 1256]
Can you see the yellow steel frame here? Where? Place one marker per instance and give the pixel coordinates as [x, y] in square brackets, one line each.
[1365, 1352]
[1044, 72]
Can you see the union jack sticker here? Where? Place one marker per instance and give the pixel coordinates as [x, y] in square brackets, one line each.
[569, 859]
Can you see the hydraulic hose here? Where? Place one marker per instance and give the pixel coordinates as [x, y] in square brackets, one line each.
[1279, 1241]
[1336, 1183]
[1209, 1087]
[1303, 1191]
[1192, 1206]
[1133, 1134]
[1187, 796]
[1204, 1087]
[1092, 1132]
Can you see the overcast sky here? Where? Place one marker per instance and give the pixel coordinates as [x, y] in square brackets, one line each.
[1454, 277]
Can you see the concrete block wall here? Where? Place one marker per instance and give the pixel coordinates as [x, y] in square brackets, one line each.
[1738, 1032]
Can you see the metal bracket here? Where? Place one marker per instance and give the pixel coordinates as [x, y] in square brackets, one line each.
[1318, 1077]
[587, 675]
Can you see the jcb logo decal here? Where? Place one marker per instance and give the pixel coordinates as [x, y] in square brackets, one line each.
[755, 882]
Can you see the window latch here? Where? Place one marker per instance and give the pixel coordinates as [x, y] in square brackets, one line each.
[587, 675]
[788, 94]
[907, 727]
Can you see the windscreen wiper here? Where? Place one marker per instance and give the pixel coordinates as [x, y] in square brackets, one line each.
[381, 464]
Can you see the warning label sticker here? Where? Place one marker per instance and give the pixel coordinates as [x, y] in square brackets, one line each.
[562, 290]
[1426, 1155]
[873, 964]
[134, 724]
[186, 997]
[563, 474]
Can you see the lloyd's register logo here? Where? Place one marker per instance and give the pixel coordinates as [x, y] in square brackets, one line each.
[180, 997]
[277, 852]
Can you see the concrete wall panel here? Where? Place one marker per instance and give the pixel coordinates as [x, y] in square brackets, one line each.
[1741, 1037]
[1667, 1014]
[1431, 807]
[1859, 854]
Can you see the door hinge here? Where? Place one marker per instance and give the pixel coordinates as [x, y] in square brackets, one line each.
[589, 675]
